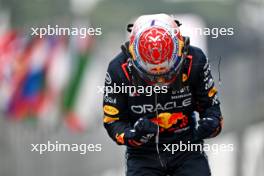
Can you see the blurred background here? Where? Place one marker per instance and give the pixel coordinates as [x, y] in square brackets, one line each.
[48, 86]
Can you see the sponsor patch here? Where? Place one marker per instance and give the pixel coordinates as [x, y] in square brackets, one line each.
[110, 110]
[110, 119]
[215, 100]
[148, 108]
[212, 92]
[167, 120]
[120, 138]
[108, 79]
[209, 84]
[185, 89]
[184, 77]
[111, 100]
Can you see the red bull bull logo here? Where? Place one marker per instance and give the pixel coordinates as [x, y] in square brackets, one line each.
[166, 120]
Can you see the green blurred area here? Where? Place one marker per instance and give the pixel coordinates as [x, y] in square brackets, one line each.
[27, 13]
[112, 15]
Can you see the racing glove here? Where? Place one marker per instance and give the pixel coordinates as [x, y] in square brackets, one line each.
[207, 127]
[142, 132]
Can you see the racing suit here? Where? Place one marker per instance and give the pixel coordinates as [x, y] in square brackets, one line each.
[173, 110]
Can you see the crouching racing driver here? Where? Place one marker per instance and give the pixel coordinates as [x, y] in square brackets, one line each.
[158, 55]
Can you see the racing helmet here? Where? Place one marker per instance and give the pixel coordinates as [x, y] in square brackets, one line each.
[156, 47]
